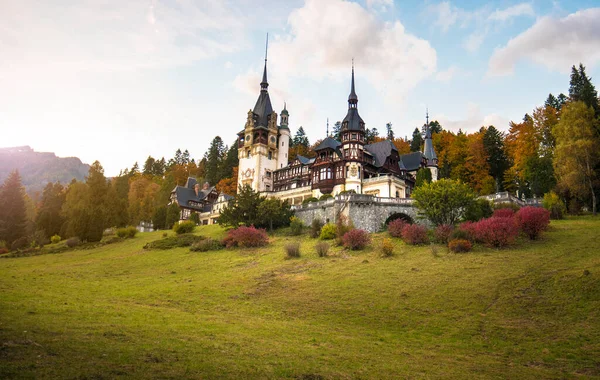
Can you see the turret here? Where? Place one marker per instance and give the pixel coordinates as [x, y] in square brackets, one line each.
[284, 139]
[429, 152]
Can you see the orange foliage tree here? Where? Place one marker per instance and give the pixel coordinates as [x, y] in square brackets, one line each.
[229, 185]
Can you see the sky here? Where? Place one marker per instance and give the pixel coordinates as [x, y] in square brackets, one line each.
[117, 81]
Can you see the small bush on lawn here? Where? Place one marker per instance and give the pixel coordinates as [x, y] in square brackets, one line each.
[415, 234]
[555, 205]
[387, 247]
[496, 232]
[184, 227]
[533, 220]
[206, 245]
[296, 226]
[246, 237]
[322, 249]
[465, 231]
[315, 228]
[395, 227]
[292, 250]
[127, 232]
[55, 239]
[3, 250]
[327, 232]
[73, 242]
[504, 213]
[342, 226]
[356, 239]
[443, 233]
[185, 240]
[459, 245]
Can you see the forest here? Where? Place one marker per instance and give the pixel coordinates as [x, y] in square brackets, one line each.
[552, 150]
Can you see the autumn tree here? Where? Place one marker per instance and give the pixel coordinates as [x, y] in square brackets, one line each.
[576, 154]
[476, 164]
[142, 200]
[13, 218]
[229, 185]
[521, 145]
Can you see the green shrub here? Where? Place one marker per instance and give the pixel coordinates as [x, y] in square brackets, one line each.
[387, 247]
[309, 200]
[55, 239]
[292, 250]
[184, 227]
[315, 228]
[322, 249]
[327, 232]
[479, 209]
[325, 197]
[127, 232]
[206, 245]
[185, 240]
[296, 226]
[555, 205]
[195, 218]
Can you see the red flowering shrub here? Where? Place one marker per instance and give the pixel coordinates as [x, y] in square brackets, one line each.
[504, 213]
[465, 231]
[496, 232]
[3, 250]
[415, 234]
[533, 220]
[459, 245]
[443, 233]
[356, 239]
[395, 227]
[246, 237]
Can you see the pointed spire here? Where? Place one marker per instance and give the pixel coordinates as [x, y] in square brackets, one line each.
[264, 84]
[327, 127]
[352, 98]
[427, 115]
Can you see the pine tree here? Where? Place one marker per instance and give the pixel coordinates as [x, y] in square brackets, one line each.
[371, 135]
[389, 131]
[435, 127]
[337, 128]
[98, 203]
[13, 219]
[493, 142]
[49, 217]
[582, 89]
[417, 141]
[214, 157]
[149, 166]
[229, 162]
[300, 138]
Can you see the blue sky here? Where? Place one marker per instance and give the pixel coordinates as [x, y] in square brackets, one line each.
[117, 81]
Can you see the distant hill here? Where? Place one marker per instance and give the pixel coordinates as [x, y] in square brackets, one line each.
[39, 168]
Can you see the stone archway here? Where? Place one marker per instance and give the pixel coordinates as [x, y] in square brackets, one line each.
[399, 215]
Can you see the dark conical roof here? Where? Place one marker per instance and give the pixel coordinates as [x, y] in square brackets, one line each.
[353, 121]
[352, 98]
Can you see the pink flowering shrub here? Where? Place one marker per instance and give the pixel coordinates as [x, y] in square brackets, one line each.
[395, 227]
[443, 233]
[533, 220]
[246, 237]
[356, 239]
[504, 213]
[415, 234]
[496, 232]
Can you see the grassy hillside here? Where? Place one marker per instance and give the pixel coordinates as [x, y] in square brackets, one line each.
[121, 311]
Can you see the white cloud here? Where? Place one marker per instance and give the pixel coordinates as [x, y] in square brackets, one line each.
[382, 4]
[523, 9]
[554, 43]
[473, 120]
[447, 75]
[474, 41]
[447, 15]
[325, 35]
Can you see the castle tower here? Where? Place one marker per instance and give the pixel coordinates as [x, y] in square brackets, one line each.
[283, 144]
[258, 142]
[352, 135]
[429, 152]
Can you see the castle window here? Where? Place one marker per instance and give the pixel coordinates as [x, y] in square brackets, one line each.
[270, 155]
[268, 174]
[248, 153]
[354, 136]
[282, 143]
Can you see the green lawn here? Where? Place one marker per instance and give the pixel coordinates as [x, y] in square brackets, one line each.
[121, 311]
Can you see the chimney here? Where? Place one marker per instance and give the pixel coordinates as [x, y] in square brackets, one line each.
[206, 186]
[197, 189]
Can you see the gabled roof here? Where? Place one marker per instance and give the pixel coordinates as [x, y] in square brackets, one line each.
[186, 194]
[328, 143]
[411, 161]
[305, 160]
[381, 151]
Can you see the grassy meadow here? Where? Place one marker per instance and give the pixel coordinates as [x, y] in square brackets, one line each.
[120, 311]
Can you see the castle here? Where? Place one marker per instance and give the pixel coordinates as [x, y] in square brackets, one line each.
[349, 165]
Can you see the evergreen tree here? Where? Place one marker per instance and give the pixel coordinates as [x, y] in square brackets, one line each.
[337, 128]
[231, 161]
[159, 167]
[173, 215]
[300, 138]
[582, 89]
[49, 217]
[149, 166]
[423, 176]
[13, 218]
[555, 102]
[98, 203]
[493, 142]
[370, 135]
[242, 210]
[390, 131]
[214, 157]
[435, 127]
[417, 141]
[135, 169]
